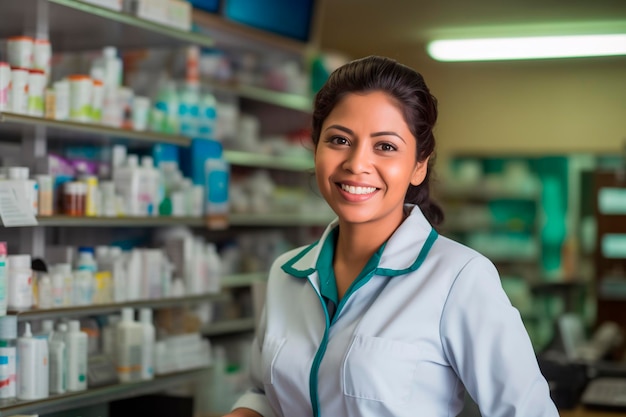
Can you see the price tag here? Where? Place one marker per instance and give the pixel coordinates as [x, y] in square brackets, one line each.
[14, 209]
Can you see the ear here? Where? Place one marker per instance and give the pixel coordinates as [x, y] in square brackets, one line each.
[419, 173]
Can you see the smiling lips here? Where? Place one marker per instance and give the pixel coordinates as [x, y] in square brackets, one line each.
[356, 193]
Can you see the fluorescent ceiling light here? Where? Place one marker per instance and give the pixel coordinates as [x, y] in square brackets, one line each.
[536, 47]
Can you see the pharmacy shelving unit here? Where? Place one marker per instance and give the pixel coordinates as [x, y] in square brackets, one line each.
[74, 25]
[456, 200]
[73, 400]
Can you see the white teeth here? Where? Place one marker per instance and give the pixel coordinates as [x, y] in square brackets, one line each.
[357, 190]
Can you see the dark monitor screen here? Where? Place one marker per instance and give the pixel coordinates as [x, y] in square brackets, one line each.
[291, 18]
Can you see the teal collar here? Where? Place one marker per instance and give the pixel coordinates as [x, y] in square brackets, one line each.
[398, 256]
[326, 272]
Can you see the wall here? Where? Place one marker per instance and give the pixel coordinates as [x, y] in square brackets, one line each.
[539, 107]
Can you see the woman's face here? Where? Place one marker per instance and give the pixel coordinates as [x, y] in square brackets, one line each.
[366, 158]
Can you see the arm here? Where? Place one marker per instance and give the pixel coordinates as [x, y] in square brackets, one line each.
[488, 347]
[243, 412]
[254, 403]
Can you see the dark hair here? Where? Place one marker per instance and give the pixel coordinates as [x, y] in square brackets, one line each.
[408, 88]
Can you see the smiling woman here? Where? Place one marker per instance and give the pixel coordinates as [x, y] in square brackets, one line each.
[382, 317]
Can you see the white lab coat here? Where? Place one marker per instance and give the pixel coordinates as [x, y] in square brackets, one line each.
[432, 321]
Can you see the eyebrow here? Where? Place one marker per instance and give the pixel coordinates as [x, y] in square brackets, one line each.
[376, 134]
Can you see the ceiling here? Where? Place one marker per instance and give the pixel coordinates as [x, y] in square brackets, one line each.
[401, 28]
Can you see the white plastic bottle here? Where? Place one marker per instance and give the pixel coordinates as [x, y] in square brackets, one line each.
[84, 278]
[76, 345]
[147, 345]
[47, 328]
[27, 370]
[8, 348]
[3, 278]
[214, 269]
[58, 368]
[20, 282]
[128, 352]
[149, 185]
[109, 336]
[5, 375]
[119, 274]
[44, 292]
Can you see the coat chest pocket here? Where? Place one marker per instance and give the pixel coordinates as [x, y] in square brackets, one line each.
[380, 369]
[271, 349]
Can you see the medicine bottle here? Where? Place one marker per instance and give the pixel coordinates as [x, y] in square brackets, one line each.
[20, 279]
[74, 198]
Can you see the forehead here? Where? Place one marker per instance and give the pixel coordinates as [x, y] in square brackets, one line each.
[366, 103]
[368, 108]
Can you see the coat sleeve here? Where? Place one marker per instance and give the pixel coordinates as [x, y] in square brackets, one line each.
[255, 398]
[486, 343]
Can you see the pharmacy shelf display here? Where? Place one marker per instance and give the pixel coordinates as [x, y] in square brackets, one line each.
[75, 25]
[229, 281]
[58, 128]
[235, 220]
[91, 396]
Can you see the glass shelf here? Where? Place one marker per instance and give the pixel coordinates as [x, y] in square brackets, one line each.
[277, 98]
[99, 309]
[248, 159]
[224, 327]
[281, 219]
[475, 193]
[69, 221]
[243, 280]
[99, 395]
[20, 121]
[230, 34]
[275, 219]
[75, 25]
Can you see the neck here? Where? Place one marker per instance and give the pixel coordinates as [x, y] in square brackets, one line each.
[357, 243]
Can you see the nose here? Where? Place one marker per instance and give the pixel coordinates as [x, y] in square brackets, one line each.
[358, 160]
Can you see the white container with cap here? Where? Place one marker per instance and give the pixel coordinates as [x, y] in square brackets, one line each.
[147, 344]
[5, 375]
[20, 282]
[129, 338]
[19, 90]
[8, 348]
[5, 82]
[28, 369]
[76, 346]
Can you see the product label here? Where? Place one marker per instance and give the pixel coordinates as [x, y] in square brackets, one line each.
[9, 389]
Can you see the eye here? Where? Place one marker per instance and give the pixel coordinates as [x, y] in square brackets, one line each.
[338, 140]
[386, 147]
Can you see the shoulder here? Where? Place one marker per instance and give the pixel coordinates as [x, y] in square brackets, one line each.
[458, 255]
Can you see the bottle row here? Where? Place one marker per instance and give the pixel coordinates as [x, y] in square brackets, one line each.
[84, 276]
[26, 87]
[48, 359]
[121, 187]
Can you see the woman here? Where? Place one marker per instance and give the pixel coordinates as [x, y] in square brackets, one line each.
[383, 317]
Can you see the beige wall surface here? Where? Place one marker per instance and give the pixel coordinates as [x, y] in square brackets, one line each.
[539, 107]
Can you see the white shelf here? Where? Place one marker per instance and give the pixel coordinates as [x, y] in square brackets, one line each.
[275, 219]
[254, 160]
[243, 280]
[159, 221]
[280, 219]
[99, 309]
[99, 395]
[75, 25]
[221, 328]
